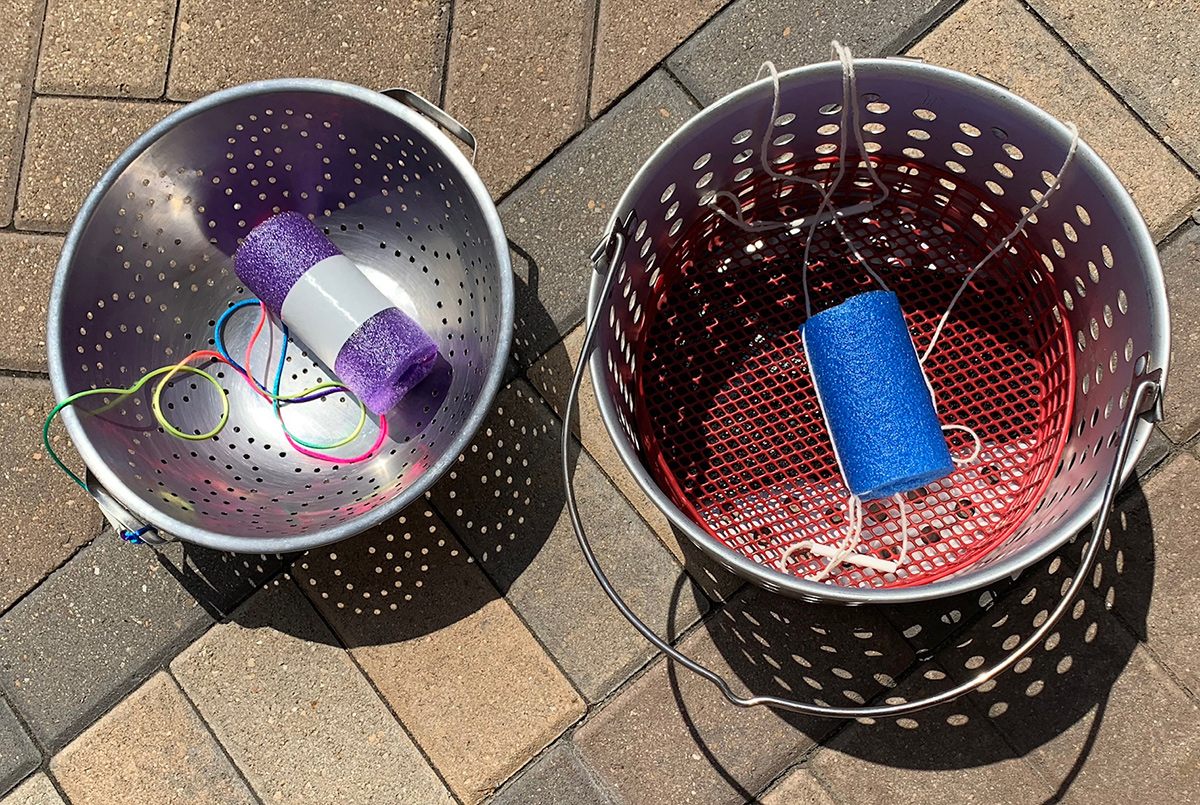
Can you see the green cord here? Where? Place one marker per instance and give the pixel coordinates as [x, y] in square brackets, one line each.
[123, 393]
[156, 405]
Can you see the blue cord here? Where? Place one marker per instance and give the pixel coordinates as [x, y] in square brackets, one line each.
[133, 536]
[279, 375]
[220, 343]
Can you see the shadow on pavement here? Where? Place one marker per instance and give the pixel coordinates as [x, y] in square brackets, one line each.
[838, 656]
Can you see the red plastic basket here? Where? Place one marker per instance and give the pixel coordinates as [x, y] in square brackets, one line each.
[731, 426]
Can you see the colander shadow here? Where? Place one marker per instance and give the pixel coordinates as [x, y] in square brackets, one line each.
[471, 538]
[774, 645]
[399, 581]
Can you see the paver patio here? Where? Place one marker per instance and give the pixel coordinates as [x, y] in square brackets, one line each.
[178, 674]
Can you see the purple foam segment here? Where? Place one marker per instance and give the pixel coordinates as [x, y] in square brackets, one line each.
[384, 358]
[277, 253]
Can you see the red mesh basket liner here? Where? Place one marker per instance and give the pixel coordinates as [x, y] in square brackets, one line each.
[729, 421]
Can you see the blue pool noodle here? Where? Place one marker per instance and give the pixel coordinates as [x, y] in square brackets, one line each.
[872, 392]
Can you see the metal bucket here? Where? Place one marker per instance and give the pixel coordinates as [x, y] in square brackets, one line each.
[1055, 354]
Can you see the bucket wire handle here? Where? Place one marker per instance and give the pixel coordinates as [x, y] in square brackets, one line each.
[434, 112]
[1145, 396]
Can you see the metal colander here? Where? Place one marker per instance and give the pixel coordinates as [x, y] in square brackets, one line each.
[1053, 354]
[147, 269]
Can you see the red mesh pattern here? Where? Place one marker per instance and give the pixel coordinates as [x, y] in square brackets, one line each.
[730, 423]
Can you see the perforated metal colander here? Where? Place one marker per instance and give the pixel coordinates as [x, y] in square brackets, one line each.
[146, 271]
[1054, 355]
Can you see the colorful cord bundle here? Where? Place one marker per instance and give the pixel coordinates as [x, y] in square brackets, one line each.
[221, 355]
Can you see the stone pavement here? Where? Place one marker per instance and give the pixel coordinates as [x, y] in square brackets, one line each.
[182, 675]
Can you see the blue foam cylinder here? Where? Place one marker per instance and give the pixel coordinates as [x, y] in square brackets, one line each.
[872, 392]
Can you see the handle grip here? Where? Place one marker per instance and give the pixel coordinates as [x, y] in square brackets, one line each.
[1145, 397]
[128, 527]
[435, 113]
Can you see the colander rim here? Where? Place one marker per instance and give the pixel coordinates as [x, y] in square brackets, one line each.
[169, 524]
[1083, 514]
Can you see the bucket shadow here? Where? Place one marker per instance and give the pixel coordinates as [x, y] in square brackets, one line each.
[1064, 682]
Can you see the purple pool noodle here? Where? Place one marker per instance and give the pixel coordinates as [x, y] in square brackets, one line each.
[385, 358]
[277, 253]
[385, 354]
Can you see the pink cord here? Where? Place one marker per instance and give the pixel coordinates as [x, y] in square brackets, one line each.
[383, 431]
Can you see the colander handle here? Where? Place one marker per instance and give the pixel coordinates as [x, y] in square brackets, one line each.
[128, 527]
[1146, 398]
[435, 113]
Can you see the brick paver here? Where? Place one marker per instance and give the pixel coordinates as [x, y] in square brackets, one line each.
[27, 263]
[1157, 448]
[508, 67]
[89, 634]
[1027, 59]
[1157, 536]
[19, 43]
[34, 791]
[727, 53]
[465, 676]
[1136, 743]
[295, 714]
[1147, 52]
[633, 37]
[47, 516]
[218, 580]
[798, 788]
[671, 737]
[151, 748]
[1090, 699]
[551, 375]
[905, 760]
[113, 48]
[505, 500]
[72, 142]
[556, 778]
[388, 43]
[560, 213]
[18, 755]
[1181, 267]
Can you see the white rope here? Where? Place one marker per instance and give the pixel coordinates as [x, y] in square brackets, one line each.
[974, 435]
[849, 117]
[847, 60]
[850, 541]
[1018, 229]
[962, 462]
[847, 551]
[849, 100]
